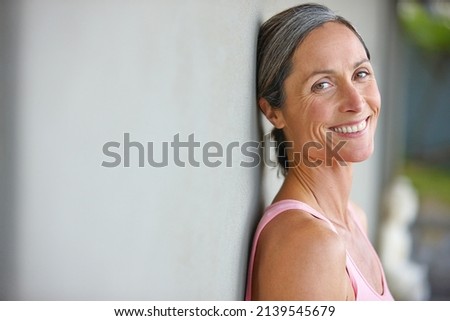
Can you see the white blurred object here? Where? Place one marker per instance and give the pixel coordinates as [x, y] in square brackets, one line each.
[407, 279]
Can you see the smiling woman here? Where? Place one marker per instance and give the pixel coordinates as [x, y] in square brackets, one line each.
[316, 84]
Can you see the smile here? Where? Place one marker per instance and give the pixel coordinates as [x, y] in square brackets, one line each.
[346, 129]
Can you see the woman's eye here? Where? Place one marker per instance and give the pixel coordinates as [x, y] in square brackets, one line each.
[362, 74]
[321, 86]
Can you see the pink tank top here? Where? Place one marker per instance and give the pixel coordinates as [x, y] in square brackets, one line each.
[363, 290]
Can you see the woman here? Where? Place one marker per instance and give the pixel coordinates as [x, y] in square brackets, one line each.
[317, 87]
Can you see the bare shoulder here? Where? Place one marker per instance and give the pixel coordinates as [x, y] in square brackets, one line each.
[299, 257]
[361, 215]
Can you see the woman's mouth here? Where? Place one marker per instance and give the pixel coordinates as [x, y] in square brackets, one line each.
[351, 129]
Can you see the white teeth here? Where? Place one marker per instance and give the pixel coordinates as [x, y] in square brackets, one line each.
[351, 129]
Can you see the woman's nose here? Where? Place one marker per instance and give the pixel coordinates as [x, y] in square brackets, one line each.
[352, 100]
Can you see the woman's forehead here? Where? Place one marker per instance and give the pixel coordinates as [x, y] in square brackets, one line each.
[332, 43]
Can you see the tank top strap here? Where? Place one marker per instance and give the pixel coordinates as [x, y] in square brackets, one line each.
[290, 204]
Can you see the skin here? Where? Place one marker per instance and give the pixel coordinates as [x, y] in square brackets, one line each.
[298, 256]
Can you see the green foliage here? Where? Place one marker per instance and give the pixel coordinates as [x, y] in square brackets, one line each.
[430, 31]
[430, 181]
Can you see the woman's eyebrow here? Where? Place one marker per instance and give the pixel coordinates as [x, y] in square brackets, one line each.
[359, 63]
[331, 71]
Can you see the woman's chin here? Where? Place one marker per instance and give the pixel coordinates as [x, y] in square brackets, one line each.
[358, 156]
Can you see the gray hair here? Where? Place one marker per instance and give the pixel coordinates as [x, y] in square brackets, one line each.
[278, 39]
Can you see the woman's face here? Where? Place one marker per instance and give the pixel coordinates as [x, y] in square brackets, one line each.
[332, 97]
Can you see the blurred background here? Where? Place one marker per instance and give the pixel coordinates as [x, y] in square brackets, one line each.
[75, 75]
[425, 35]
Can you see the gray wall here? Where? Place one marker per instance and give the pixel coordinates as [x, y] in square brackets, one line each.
[86, 72]
[7, 152]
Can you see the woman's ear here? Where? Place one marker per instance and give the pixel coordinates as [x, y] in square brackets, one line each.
[274, 115]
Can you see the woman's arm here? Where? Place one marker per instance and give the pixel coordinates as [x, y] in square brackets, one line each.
[299, 258]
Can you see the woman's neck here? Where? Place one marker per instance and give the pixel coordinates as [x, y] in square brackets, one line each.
[325, 188]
